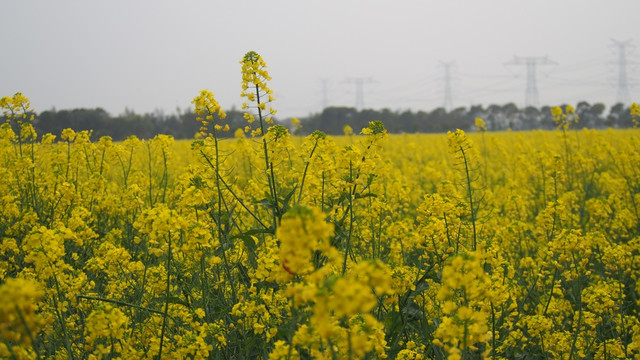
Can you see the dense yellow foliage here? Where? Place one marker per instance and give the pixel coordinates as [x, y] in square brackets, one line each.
[458, 246]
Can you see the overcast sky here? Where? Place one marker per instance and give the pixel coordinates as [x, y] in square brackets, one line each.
[148, 55]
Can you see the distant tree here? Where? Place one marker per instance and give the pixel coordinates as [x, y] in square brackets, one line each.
[590, 116]
[531, 118]
[546, 119]
[510, 114]
[457, 119]
[436, 121]
[615, 117]
[494, 117]
[54, 122]
[595, 114]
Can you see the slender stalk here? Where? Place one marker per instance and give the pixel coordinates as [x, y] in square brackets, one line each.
[493, 330]
[275, 194]
[322, 194]
[306, 167]
[624, 325]
[553, 281]
[150, 177]
[10, 348]
[348, 245]
[118, 302]
[470, 194]
[29, 333]
[165, 175]
[270, 177]
[63, 325]
[233, 193]
[166, 302]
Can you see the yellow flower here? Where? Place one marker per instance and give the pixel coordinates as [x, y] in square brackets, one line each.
[282, 351]
[254, 86]
[16, 108]
[302, 231]
[565, 118]
[102, 326]
[205, 107]
[68, 134]
[19, 320]
[634, 109]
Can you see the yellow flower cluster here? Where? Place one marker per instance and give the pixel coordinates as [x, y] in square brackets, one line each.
[16, 107]
[564, 118]
[460, 145]
[255, 89]
[634, 109]
[18, 117]
[464, 298]
[20, 321]
[480, 124]
[301, 233]
[206, 107]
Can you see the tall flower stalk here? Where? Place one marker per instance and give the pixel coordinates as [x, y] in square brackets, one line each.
[206, 107]
[258, 94]
[19, 119]
[564, 119]
[461, 147]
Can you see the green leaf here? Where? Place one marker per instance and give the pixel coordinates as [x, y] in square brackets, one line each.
[171, 300]
[360, 196]
[285, 201]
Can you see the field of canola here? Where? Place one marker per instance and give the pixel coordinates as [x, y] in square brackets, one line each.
[367, 246]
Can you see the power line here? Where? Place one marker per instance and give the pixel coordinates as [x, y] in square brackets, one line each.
[489, 88]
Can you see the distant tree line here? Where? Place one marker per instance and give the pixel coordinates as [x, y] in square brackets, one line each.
[183, 124]
[332, 120]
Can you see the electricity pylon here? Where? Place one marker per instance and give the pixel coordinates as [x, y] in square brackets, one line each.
[622, 95]
[360, 81]
[448, 97]
[531, 97]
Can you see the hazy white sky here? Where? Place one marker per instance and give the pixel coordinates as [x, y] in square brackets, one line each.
[148, 55]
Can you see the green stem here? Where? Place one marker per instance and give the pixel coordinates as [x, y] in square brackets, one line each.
[304, 175]
[348, 245]
[166, 303]
[118, 302]
[575, 335]
[26, 327]
[67, 343]
[493, 330]
[270, 177]
[470, 194]
[233, 193]
[150, 177]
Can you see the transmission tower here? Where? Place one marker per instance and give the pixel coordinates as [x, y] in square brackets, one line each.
[360, 81]
[448, 98]
[623, 82]
[531, 97]
[325, 99]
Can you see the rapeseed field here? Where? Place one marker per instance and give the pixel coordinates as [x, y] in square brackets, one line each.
[514, 245]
